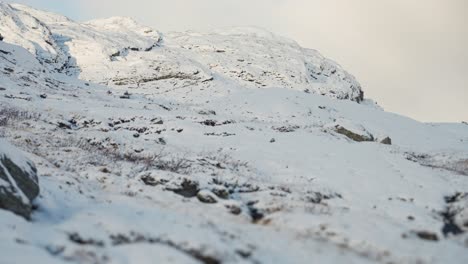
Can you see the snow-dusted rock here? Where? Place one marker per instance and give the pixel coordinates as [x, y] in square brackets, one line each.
[206, 196]
[18, 180]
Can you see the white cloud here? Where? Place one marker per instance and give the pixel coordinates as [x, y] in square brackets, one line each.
[410, 56]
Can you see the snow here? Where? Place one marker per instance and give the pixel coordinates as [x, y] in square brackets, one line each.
[194, 117]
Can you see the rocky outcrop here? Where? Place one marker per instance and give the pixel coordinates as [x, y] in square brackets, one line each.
[356, 136]
[18, 181]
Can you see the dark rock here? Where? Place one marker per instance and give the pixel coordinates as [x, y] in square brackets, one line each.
[157, 121]
[286, 129]
[126, 95]
[149, 180]
[161, 141]
[43, 96]
[207, 112]
[77, 239]
[455, 204]
[426, 235]
[221, 191]
[254, 212]
[208, 123]
[386, 141]
[187, 188]
[18, 182]
[233, 209]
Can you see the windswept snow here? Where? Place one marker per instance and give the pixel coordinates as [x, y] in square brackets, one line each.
[216, 147]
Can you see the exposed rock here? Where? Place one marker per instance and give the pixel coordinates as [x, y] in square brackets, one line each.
[455, 215]
[233, 208]
[18, 181]
[426, 235]
[386, 141]
[207, 196]
[221, 191]
[187, 188]
[353, 135]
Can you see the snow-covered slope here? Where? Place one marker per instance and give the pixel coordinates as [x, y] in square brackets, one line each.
[119, 52]
[161, 148]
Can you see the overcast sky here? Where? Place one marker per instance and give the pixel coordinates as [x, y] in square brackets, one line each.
[411, 56]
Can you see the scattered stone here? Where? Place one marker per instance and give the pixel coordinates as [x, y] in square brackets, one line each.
[208, 123]
[221, 191]
[43, 96]
[149, 180]
[161, 141]
[233, 208]
[126, 95]
[224, 134]
[254, 212]
[452, 211]
[426, 235]
[136, 135]
[77, 239]
[157, 121]
[187, 188]
[207, 112]
[206, 196]
[286, 129]
[165, 107]
[272, 140]
[104, 170]
[179, 130]
[64, 125]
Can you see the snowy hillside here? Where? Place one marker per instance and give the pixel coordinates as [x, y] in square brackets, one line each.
[229, 146]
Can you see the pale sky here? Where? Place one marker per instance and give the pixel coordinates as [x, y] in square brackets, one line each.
[411, 56]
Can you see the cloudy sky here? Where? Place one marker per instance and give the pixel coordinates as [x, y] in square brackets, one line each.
[411, 56]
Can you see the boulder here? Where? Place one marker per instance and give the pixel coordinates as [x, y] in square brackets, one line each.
[206, 196]
[18, 181]
[386, 141]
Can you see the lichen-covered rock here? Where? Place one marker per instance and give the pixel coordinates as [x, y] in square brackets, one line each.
[18, 181]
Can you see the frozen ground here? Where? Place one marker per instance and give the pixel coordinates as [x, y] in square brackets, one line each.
[222, 147]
